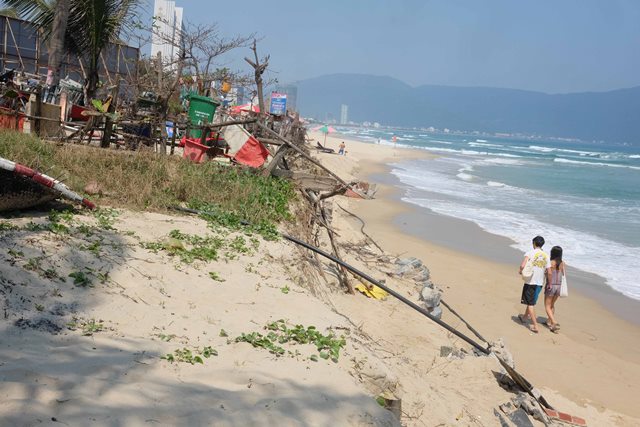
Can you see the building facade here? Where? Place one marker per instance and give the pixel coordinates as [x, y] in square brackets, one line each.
[167, 36]
[344, 114]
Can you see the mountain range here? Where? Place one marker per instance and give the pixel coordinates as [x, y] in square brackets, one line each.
[609, 116]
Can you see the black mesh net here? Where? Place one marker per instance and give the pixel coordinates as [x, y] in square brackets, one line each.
[19, 192]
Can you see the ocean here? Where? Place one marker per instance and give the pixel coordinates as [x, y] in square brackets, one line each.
[582, 196]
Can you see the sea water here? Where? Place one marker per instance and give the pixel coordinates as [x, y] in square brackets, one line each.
[583, 196]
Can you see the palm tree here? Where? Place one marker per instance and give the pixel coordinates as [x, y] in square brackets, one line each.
[91, 26]
[9, 11]
[56, 42]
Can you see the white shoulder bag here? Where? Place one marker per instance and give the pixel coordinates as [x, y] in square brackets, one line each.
[564, 289]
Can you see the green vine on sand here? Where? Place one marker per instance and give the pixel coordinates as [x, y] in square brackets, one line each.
[328, 346]
[186, 355]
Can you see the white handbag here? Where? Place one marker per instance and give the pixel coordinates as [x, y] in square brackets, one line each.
[527, 271]
[564, 290]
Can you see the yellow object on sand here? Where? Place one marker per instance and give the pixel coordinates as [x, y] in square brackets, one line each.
[373, 292]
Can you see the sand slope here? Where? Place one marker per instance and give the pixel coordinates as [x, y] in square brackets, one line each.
[116, 376]
[151, 304]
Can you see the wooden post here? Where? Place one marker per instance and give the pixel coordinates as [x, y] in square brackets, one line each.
[203, 137]
[108, 123]
[342, 272]
[38, 111]
[173, 138]
[279, 156]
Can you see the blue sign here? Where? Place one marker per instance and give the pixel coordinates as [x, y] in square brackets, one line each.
[278, 104]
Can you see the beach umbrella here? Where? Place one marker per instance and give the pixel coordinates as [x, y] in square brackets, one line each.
[326, 129]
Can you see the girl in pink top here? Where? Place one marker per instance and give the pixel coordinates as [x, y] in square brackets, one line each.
[552, 288]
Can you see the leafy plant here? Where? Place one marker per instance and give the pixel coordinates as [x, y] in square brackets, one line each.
[186, 355]
[32, 226]
[285, 289]
[58, 228]
[80, 278]
[57, 216]
[7, 226]
[215, 276]
[89, 327]
[328, 346]
[33, 264]
[165, 337]
[15, 254]
[85, 229]
[106, 217]
[188, 247]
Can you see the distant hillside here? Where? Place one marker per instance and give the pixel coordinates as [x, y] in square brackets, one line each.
[611, 116]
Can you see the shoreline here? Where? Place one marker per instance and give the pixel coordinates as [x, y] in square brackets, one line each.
[597, 353]
[592, 286]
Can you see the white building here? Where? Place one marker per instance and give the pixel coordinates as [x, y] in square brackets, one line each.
[344, 114]
[167, 22]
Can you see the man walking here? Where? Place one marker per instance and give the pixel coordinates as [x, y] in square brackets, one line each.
[536, 262]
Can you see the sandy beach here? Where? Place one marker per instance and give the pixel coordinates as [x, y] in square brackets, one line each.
[594, 361]
[106, 324]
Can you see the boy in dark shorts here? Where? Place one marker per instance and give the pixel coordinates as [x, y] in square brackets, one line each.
[533, 286]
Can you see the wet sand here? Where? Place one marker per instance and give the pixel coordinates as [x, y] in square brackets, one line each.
[594, 360]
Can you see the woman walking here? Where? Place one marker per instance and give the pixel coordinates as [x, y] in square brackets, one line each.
[552, 289]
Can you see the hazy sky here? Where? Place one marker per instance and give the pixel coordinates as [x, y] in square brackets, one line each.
[546, 45]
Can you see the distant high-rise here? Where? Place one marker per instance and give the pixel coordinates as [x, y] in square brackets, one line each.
[344, 114]
[292, 95]
[167, 34]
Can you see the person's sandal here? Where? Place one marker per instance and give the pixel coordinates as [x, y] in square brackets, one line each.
[555, 328]
[533, 329]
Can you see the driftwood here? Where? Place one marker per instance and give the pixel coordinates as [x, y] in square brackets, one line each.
[308, 181]
[342, 272]
[362, 227]
[306, 156]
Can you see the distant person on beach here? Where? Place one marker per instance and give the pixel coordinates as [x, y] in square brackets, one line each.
[341, 149]
[552, 289]
[538, 262]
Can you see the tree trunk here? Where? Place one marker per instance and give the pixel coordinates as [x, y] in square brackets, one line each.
[92, 79]
[260, 94]
[56, 43]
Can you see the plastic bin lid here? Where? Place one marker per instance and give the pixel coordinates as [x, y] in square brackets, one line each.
[203, 99]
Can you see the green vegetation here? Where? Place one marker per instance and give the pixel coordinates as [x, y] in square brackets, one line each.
[215, 276]
[88, 327]
[186, 355]
[231, 197]
[328, 346]
[81, 278]
[106, 217]
[7, 226]
[189, 247]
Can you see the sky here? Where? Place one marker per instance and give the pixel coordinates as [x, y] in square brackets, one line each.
[552, 46]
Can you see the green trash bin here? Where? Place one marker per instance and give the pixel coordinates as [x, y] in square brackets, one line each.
[201, 111]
